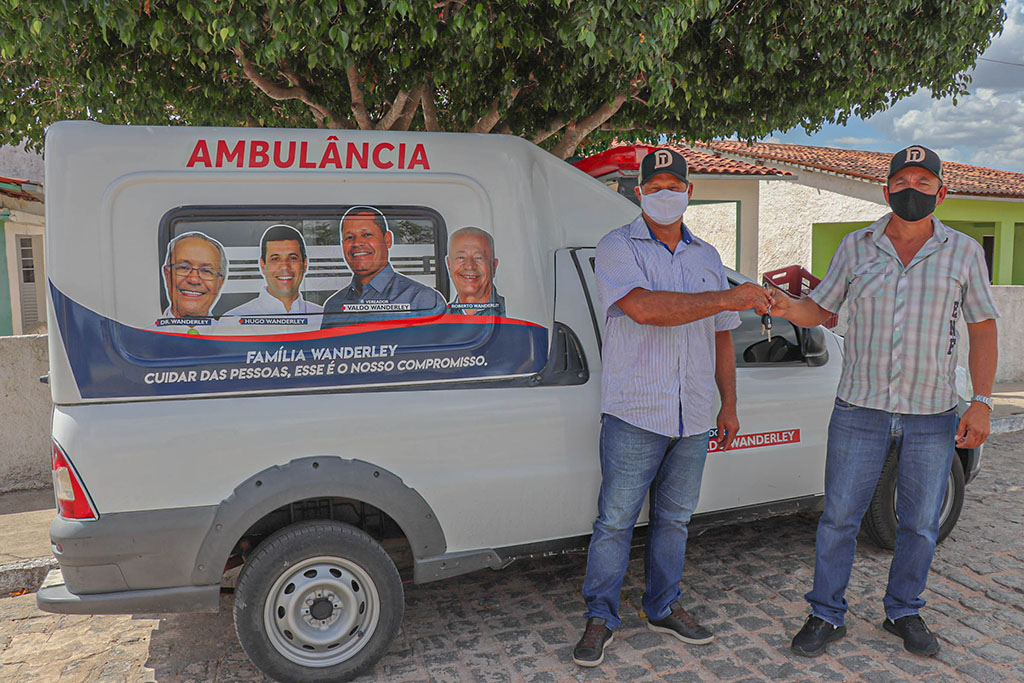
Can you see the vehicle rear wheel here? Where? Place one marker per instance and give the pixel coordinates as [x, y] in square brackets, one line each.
[880, 522]
[317, 601]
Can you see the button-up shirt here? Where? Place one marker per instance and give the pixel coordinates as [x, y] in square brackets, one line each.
[661, 379]
[900, 351]
[386, 296]
[305, 315]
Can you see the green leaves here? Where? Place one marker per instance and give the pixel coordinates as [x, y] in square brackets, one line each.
[693, 68]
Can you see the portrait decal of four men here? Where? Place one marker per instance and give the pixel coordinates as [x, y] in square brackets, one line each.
[195, 270]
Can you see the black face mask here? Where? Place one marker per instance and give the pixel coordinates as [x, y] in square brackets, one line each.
[912, 205]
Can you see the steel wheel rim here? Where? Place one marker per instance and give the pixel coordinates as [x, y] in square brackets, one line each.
[947, 500]
[321, 611]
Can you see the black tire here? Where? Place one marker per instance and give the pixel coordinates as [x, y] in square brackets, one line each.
[317, 601]
[879, 522]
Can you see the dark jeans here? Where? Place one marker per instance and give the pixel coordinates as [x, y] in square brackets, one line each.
[635, 463]
[858, 445]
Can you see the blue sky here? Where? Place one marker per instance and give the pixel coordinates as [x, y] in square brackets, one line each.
[985, 128]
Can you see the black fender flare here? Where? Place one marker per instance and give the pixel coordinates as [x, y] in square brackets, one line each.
[315, 477]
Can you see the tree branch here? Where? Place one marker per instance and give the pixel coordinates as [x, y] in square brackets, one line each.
[555, 124]
[575, 134]
[491, 118]
[323, 115]
[397, 107]
[430, 111]
[358, 105]
[411, 105]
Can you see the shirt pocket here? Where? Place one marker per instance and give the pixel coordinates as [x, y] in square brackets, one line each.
[700, 279]
[870, 280]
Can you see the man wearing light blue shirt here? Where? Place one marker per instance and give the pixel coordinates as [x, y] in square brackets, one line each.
[668, 313]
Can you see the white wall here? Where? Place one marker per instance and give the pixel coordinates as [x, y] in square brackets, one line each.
[786, 210]
[1010, 302]
[716, 223]
[16, 162]
[24, 414]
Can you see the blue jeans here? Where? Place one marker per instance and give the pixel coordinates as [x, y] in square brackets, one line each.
[858, 445]
[635, 462]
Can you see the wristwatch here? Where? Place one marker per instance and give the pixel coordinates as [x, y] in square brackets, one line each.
[987, 400]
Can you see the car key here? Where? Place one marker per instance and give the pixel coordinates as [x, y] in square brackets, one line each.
[766, 319]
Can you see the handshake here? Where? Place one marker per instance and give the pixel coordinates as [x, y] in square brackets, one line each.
[772, 300]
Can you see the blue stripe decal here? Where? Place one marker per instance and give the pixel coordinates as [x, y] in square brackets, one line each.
[113, 360]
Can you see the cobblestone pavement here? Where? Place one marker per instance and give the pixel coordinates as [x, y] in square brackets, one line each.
[519, 624]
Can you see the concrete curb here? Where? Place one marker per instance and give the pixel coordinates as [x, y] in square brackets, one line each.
[1010, 423]
[25, 575]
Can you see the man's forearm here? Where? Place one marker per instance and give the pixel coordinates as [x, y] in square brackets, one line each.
[666, 309]
[983, 355]
[725, 368]
[801, 312]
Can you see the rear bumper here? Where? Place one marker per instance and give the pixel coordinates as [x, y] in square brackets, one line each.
[54, 596]
[140, 560]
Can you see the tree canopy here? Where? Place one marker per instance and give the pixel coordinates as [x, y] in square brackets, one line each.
[558, 72]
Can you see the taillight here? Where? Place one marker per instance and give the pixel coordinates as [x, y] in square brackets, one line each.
[72, 501]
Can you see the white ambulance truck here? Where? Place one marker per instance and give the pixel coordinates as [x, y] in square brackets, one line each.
[289, 350]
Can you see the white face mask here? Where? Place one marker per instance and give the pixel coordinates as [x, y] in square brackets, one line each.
[664, 207]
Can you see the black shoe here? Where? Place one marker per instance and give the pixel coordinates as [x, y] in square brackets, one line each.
[590, 650]
[814, 636]
[682, 626]
[915, 634]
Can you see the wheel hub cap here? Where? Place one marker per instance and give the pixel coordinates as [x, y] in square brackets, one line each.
[321, 611]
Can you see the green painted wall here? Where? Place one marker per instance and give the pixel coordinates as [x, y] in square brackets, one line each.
[825, 239]
[972, 217]
[6, 321]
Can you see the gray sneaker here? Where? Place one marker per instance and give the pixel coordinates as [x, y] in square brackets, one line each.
[590, 650]
[681, 625]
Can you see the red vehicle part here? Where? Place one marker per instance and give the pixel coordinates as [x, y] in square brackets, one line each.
[72, 500]
[624, 159]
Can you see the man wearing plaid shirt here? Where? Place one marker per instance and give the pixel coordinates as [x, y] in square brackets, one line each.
[906, 279]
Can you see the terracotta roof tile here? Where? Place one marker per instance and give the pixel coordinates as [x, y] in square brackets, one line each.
[963, 179]
[627, 157]
[18, 191]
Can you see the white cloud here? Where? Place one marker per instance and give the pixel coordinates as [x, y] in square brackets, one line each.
[1006, 47]
[985, 128]
[987, 125]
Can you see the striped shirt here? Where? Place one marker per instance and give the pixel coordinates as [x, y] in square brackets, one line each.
[661, 379]
[900, 352]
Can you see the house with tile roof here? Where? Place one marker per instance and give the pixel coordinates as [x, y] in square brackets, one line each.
[835, 191]
[827, 193]
[725, 207]
[22, 271]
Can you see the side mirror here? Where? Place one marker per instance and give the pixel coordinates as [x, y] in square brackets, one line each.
[813, 346]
